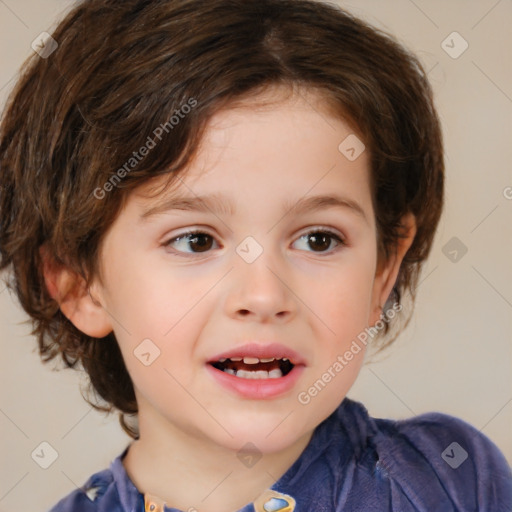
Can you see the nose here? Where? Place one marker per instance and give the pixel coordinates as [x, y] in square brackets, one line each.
[259, 292]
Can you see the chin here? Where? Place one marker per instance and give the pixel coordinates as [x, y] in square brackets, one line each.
[268, 433]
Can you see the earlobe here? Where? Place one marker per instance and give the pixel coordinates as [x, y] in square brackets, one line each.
[69, 290]
[387, 273]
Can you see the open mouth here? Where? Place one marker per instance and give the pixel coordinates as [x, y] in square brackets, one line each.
[254, 367]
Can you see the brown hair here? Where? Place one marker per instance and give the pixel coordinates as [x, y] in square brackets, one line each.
[123, 69]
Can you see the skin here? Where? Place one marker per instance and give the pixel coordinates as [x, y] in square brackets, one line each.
[263, 160]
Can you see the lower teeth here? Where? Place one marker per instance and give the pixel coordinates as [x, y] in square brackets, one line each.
[259, 374]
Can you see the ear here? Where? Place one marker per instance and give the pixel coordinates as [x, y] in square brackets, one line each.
[74, 298]
[387, 272]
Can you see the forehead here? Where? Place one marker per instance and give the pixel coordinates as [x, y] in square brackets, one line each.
[281, 143]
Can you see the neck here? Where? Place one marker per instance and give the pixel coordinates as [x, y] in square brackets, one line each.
[188, 471]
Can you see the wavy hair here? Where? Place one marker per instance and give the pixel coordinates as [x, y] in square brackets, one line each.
[123, 68]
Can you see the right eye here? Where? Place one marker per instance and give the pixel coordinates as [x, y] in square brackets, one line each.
[192, 242]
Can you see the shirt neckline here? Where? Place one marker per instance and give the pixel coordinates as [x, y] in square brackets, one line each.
[327, 432]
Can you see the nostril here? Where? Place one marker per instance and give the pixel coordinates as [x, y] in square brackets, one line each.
[244, 312]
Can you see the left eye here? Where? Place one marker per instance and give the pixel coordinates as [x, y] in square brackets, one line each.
[192, 243]
[318, 241]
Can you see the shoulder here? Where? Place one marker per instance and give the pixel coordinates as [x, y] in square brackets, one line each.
[439, 449]
[109, 490]
[89, 497]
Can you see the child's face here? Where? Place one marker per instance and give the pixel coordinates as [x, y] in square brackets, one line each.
[273, 175]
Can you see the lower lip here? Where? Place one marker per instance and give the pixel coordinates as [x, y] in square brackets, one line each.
[258, 389]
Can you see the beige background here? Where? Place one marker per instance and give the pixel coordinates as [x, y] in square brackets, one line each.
[455, 356]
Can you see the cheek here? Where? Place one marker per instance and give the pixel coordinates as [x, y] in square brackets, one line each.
[342, 299]
[153, 300]
[159, 316]
[344, 310]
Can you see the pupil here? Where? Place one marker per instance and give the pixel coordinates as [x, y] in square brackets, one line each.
[201, 243]
[320, 242]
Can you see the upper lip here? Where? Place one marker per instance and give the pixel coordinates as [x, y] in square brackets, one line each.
[261, 351]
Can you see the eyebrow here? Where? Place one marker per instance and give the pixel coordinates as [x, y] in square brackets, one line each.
[218, 204]
[314, 203]
[208, 204]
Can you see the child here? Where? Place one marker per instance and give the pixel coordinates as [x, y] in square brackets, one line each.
[208, 206]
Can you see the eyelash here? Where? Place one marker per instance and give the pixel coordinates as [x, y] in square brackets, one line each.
[340, 241]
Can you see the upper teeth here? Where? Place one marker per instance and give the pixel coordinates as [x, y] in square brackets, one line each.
[250, 360]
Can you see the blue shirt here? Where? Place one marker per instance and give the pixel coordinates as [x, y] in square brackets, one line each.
[429, 463]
